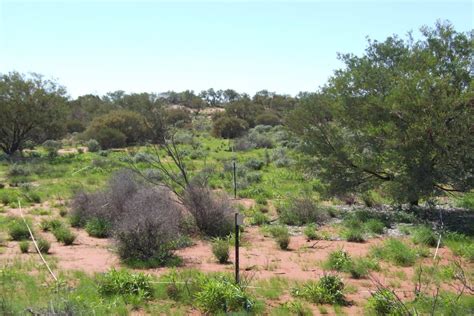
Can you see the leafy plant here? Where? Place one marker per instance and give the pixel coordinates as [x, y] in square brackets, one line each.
[396, 252]
[18, 230]
[328, 290]
[424, 235]
[339, 260]
[354, 235]
[24, 246]
[64, 234]
[375, 226]
[123, 282]
[311, 232]
[98, 227]
[220, 249]
[384, 302]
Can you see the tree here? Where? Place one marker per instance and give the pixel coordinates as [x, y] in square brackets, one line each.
[31, 108]
[229, 127]
[399, 117]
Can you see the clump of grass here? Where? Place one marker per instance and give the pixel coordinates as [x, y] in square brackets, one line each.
[50, 225]
[460, 245]
[98, 227]
[125, 283]
[281, 235]
[24, 246]
[375, 226]
[361, 267]
[18, 230]
[395, 251]
[311, 233]
[328, 290]
[424, 235]
[384, 302]
[259, 218]
[43, 245]
[64, 235]
[354, 235]
[220, 249]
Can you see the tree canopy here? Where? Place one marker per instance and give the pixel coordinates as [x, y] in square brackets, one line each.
[398, 117]
[31, 108]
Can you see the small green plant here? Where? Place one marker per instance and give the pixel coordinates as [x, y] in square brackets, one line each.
[97, 227]
[311, 233]
[354, 235]
[424, 235]
[328, 290]
[375, 226]
[43, 245]
[259, 218]
[18, 230]
[222, 295]
[62, 212]
[122, 282]
[361, 267]
[384, 302]
[339, 260]
[395, 251]
[220, 249]
[24, 246]
[460, 245]
[64, 235]
[283, 241]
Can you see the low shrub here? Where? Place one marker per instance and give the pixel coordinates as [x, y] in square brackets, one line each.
[328, 290]
[93, 145]
[283, 241]
[395, 251]
[384, 302]
[361, 267]
[339, 260]
[24, 246]
[302, 210]
[220, 249]
[98, 227]
[123, 282]
[52, 147]
[18, 230]
[220, 295]
[17, 170]
[424, 235]
[460, 245]
[254, 164]
[43, 245]
[259, 218]
[311, 232]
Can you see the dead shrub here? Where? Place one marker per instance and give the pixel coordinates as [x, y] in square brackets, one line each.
[212, 212]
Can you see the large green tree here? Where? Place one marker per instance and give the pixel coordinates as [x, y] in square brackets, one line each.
[398, 117]
[31, 108]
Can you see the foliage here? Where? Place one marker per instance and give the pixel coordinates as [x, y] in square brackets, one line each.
[302, 210]
[64, 234]
[52, 147]
[396, 252]
[93, 145]
[98, 227]
[424, 235]
[270, 119]
[460, 245]
[328, 290]
[43, 245]
[354, 235]
[221, 295]
[384, 302]
[220, 249]
[339, 260]
[375, 226]
[109, 138]
[229, 127]
[123, 282]
[32, 108]
[18, 230]
[311, 233]
[395, 118]
[24, 246]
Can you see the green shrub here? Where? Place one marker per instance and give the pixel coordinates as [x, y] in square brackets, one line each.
[222, 295]
[302, 210]
[43, 245]
[354, 235]
[384, 302]
[64, 235]
[229, 127]
[18, 230]
[220, 249]
[259, 218]
[395, 251]
[254, 164]
[24, 246]
[339, 260]
[97, 227]
[467, 201]
[361, 267]
[375, 226]
[311, 233]
[52, 147]
[93, 145]
[424, 235]
[460, 245]
[125, 283]
[17, 170]
[328, 290]
[281, 235]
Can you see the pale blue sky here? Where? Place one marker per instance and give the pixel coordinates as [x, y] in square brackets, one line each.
[154, 46]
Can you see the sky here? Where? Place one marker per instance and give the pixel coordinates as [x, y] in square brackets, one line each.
[156, 46]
